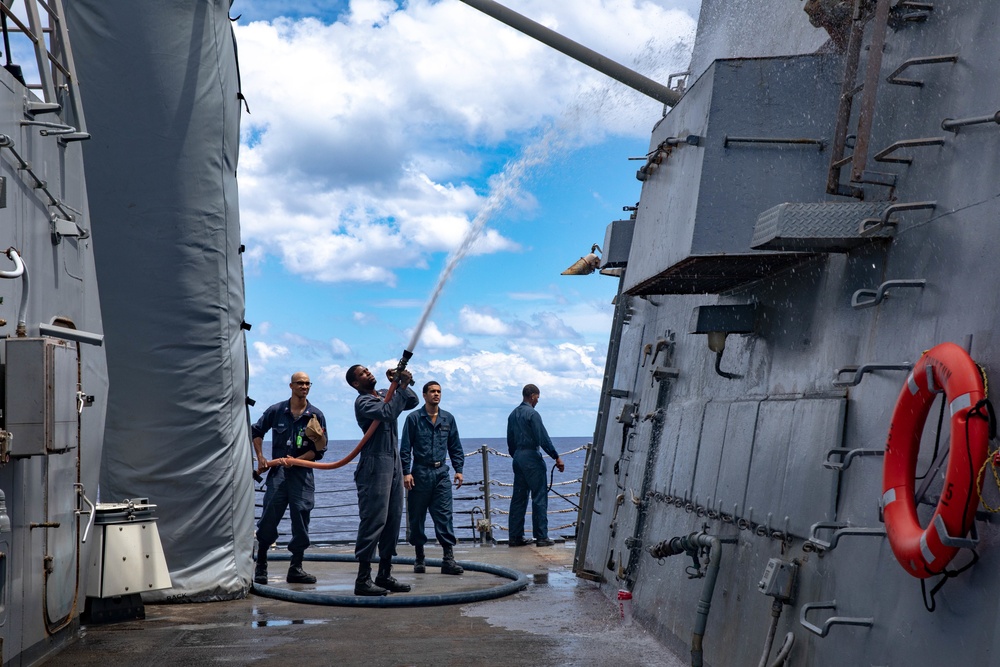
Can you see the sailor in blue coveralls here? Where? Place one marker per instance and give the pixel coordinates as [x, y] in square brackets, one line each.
[525, 435]
[430, 438]
[293, 434]
[379, 479]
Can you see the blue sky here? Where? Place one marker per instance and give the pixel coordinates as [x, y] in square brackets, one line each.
[378, 131]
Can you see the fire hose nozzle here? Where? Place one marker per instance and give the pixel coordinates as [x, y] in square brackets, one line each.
[403, 361]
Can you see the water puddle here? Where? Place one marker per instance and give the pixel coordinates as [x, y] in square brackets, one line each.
[278, 622]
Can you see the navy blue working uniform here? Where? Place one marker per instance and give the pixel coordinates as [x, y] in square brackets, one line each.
[379, 476]
[525, 435]
[429, 444]
[287, 488]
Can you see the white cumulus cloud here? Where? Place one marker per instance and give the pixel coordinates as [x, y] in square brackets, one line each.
[366, 132]
[266, 352]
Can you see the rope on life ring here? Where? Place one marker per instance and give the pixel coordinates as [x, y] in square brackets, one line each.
[947, 368]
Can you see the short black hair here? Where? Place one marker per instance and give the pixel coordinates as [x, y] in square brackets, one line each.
[430, 384]
[350, 373]
[529, 390]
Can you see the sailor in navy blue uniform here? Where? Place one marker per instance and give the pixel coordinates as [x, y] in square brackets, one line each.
[525, 435]
[430, 438]
[379, 479]
[298, 429]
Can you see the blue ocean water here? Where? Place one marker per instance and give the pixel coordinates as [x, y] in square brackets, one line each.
[335, 518]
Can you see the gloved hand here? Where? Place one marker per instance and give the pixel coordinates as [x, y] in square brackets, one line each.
[314, 431]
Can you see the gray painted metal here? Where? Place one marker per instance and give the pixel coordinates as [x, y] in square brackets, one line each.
[617, 243]
[577, 51]
[162, 186]
[46, 380]
[777, 423]
[818, 227]
[699, 207]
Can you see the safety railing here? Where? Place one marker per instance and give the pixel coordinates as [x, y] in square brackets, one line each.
[480, 506]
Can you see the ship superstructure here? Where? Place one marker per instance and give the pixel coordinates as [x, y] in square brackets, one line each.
[54, 378]
[817, 211]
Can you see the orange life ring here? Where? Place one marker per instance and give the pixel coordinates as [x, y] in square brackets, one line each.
[948, 368]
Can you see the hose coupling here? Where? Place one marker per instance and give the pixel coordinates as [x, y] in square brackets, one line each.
[672, 547]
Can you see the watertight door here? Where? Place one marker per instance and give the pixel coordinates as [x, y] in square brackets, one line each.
[61, 541]
[62, 538]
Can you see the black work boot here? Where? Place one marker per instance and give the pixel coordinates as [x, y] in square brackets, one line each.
[363, 584]
[418, 562]
[296, 575]
[448, 564]
[388, 582]
[260, 569]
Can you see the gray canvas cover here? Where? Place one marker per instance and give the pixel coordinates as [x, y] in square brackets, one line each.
[159, 83]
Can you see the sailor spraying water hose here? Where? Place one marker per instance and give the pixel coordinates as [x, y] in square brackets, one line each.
[395, 376]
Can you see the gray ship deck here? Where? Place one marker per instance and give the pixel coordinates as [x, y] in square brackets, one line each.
[557, 620]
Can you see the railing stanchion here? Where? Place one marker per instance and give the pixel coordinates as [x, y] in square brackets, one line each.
[486, 494]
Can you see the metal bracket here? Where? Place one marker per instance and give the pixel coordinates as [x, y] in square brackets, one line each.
[90, 522]
[54, 129]
[690, 140]
[821, 143]
[870, 226]
[865, 298]
[848, 456]
[840, 529]
[952, 125]
[905, 12]
[883, 155]
[830, 622]
[861, 370]
[957, 542]
[912, 62]
[885, 179]
[62, 227]
[661, 373]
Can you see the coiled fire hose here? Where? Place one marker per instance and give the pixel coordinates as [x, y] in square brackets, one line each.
[292, 461]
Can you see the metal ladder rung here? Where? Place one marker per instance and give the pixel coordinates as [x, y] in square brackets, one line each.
[883, 155]
[895, 79]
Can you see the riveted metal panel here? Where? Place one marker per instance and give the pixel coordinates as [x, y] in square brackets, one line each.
[767, 466]
[810, 491]
[735, 465]
[713, 436]
[685, 461]
[664, 465]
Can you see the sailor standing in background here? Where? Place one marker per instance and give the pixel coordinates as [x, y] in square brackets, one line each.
[430, 435]
[298, 429]
[379, 479]
[525, 435]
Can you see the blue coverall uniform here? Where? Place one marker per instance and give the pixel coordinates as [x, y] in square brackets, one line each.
[287, 488]
[525, 435]
[430, 445]
[379, 477]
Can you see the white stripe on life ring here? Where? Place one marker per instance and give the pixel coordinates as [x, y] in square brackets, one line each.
[930, 380]
[912, 385]
[888, 497]
[960, 403]
[925, 550]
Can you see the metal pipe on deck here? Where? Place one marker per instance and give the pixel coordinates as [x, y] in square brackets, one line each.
[577, 51]
[488, 535]
[692, 545]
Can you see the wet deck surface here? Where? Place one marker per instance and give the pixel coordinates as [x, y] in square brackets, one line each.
[557, 620]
